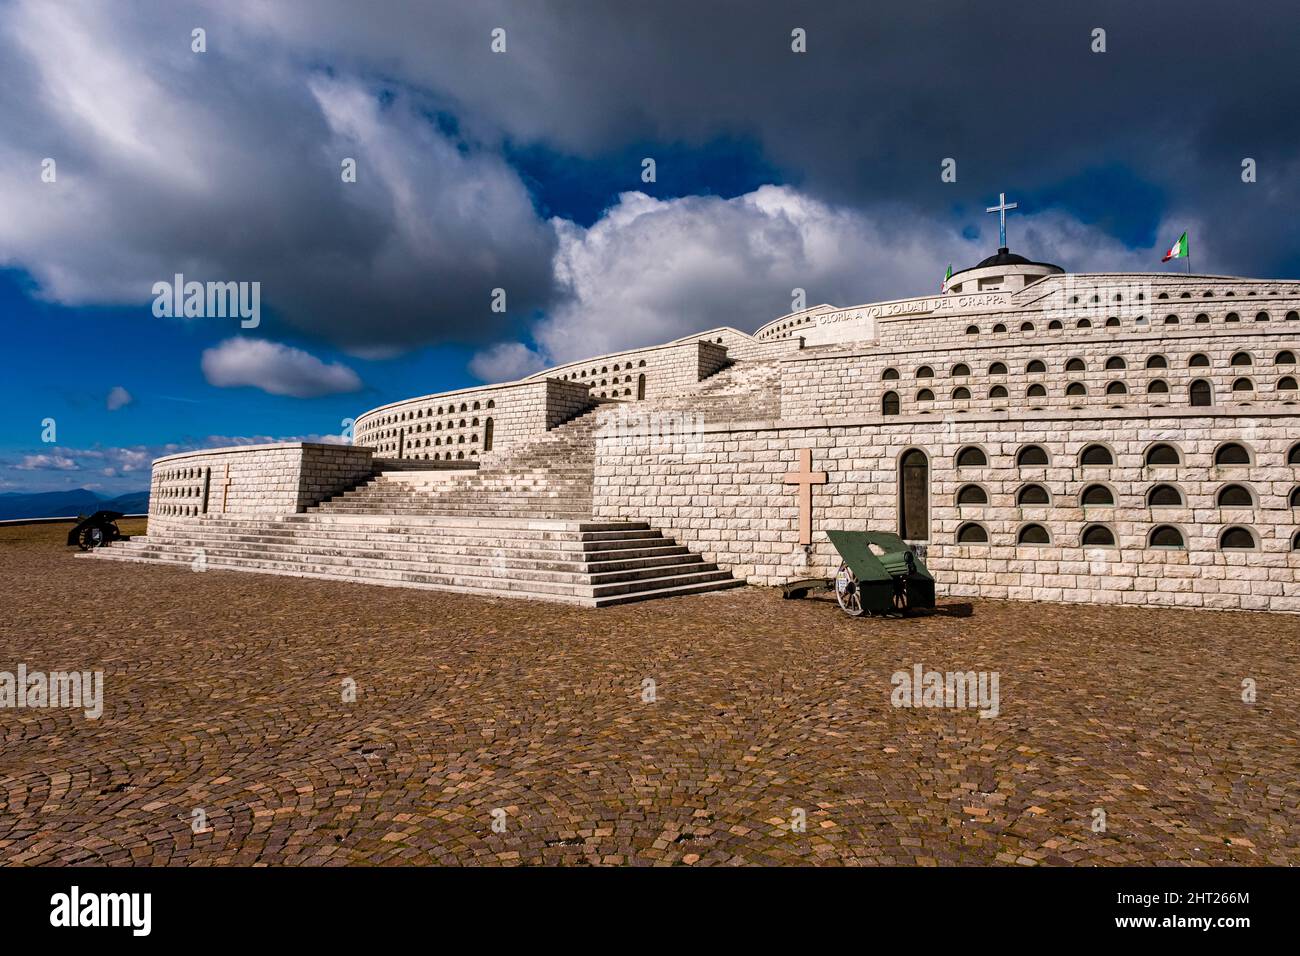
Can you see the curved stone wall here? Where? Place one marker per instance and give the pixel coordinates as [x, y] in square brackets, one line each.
[1059, 303]
[470, 424]
[645, 373]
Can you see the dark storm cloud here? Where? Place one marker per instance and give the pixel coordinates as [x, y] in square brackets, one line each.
[226, 165]
[1013, 91]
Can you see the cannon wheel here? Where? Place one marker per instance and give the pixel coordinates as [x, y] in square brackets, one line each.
[902, 603]
[847, 591]
[92, 536]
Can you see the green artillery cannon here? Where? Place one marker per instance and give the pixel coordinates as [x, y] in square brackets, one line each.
[878, 572]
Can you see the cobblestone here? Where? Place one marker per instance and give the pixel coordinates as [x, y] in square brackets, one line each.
[223, 694]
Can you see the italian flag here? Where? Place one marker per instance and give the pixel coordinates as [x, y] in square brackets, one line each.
[1178, 250]
[943, 286]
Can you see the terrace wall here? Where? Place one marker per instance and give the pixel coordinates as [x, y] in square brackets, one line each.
[721, 493]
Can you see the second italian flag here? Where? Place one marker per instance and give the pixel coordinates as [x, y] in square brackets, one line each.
[1178, 250]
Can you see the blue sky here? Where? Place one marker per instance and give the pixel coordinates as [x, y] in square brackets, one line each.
[522, 170]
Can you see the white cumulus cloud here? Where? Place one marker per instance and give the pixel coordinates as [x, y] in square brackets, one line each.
[650, 270]
[506, 361]
[46, 463]
[275, 368]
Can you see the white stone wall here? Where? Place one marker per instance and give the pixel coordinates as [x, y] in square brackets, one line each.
[792, 325]
[1052, 316]
[259, 480]
[453, 426]
[754, 351]
[722, 493]
[668, 369]
[564, 400]
[1074, 305]
[833, 383]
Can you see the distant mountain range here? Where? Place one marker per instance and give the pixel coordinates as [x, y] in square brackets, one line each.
[78, 501]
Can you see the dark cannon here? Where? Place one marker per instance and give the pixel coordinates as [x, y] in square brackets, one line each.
[878, 572]
[96, 531]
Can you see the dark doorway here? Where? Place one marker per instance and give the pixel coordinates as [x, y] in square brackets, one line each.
[914, 496]
[487, 435]
[640, 386]
[1201, 393]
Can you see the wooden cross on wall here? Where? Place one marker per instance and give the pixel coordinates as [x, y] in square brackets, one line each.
[805, 478]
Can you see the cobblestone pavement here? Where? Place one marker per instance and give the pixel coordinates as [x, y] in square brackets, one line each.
[223, 694]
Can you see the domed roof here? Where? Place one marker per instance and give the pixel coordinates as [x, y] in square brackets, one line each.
[1005, 257]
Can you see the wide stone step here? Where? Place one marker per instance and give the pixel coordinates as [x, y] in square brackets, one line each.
[444, 563]
[448, 571]
[561, 466]
[467, 512]
[480, 586]
[505, 482]
[509, 507]
[680, 590]
[506, 501]
[642, 587]
[511, 503]
[571, 551]
[386, 500]
[512, 524]
[561, 570]
[537, 492]
[418, 537]
[708, 580]
[542, 477]
[328, 530]
[612, 551]
[476, 503]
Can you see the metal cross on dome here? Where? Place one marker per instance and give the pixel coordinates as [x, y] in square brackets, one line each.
[1001, 209]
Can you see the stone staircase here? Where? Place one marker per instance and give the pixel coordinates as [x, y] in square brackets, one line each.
[519, 525]
[550, 478]
[580, 562]
[741, 392]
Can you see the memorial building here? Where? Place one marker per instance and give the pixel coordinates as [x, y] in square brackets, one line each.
[1037, 434]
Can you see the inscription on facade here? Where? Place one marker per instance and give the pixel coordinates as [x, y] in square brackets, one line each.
[925, 306]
